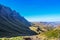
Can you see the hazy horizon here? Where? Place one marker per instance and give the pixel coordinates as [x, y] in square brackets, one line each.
[36, 10]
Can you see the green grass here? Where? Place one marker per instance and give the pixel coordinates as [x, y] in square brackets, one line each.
[53, 33]
[13, 38]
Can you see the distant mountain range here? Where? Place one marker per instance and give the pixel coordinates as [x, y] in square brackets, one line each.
[54, 24]
[12, 23]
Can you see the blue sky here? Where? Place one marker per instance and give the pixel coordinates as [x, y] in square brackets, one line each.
[35, 10]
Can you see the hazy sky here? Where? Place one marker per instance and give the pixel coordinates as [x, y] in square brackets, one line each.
[35, 10]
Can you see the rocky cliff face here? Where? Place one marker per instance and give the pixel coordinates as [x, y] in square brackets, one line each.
[11, 23]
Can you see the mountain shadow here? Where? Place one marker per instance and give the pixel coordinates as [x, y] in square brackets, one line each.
[13, 24]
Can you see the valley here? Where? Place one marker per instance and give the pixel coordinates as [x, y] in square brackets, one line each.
[13, 26]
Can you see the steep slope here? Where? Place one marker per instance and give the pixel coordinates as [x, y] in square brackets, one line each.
[12, 24]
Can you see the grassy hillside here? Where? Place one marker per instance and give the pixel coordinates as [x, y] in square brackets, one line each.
[53, 33]
[49, 33]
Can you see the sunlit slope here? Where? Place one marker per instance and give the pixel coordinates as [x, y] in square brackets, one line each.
[49, 32]
[50, 35]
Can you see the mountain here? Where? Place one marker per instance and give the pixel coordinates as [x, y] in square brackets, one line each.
[12, 23]
[54, 24]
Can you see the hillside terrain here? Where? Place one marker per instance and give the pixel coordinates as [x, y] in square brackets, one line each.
[46, 32]
[15, 27]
